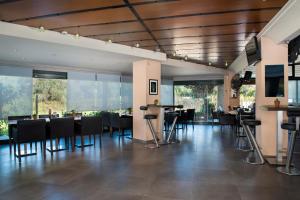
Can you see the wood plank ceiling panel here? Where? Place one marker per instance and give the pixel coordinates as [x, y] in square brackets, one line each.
[208, 20]
[79, 19]
[206, 31]
[188, 7]
[33, 8]
[126, 37]
[106, 29]
[214, 30]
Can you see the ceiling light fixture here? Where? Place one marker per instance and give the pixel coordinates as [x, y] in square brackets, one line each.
[64, 32]
[226, 64]
[209, 63]
[185, 57]
[41, 29]
[137, 45]
[77, 36]
[109, 41]
[174, 53]
[157, 49]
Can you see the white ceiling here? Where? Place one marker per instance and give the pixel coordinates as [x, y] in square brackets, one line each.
[49, 50]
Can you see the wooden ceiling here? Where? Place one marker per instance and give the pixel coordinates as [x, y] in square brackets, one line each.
[211, 32]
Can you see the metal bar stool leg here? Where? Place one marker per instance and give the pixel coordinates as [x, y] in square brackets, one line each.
[288, 169]
[152, 132]
[172, 129]
[252, 159]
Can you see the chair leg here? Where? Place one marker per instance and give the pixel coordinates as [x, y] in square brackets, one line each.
[94, 135]
[19, 152]
[82, 142]
[44, 149]
[51, 146]
[10, 145]
[73, 138]
[100, 139]
[15, 149]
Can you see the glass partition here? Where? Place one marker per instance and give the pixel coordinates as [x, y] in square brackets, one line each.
[203, 96]
[166, 92]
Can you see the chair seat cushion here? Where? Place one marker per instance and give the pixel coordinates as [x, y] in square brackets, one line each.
[288, 126]
[148, 116]
[252, 122]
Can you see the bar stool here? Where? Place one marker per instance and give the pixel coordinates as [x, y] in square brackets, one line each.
[293, 128]
[171, 118]
[255, 156]
[148, 118]
[242, 141]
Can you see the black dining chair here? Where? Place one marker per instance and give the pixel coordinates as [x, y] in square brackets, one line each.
[190, 116]
[120, 123]
[13, 127]
[106, 121]
[89, 126]
[29, 131]
[227, 120]
[61, 128]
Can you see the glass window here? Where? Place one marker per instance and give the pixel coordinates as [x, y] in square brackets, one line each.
[15, 91]
[81, 92]
[166, 92]
[126, 92]
[292, 92]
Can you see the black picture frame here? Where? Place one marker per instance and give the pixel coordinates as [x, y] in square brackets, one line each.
[153, 87]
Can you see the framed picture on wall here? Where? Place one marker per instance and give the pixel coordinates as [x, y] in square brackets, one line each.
[153, 87]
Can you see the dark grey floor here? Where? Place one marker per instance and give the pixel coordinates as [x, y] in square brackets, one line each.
[204, 166]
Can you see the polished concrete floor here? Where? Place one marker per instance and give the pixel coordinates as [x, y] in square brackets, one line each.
[204, 166]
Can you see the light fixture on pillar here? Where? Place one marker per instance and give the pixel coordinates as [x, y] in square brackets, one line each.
[64, 32]
[41, 29]
[77, 36]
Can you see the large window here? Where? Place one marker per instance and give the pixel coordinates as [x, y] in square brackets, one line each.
[203, 96]
[166, 92]
[49, 94]
[126, 92]
[15, 93]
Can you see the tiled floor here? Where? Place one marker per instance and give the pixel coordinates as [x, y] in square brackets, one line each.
[204, 166]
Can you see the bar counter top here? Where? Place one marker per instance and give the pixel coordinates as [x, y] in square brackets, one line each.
[280, 108]
[165, 106]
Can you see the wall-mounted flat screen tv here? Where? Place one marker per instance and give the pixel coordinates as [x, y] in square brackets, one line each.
[253, 51]
[274, 80]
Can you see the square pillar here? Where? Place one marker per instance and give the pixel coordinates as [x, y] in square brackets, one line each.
[143, 71]
[228, 99]
[266, 134]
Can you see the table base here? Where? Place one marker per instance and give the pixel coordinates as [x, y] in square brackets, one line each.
[273, 162]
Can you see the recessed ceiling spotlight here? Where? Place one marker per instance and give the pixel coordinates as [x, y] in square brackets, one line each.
[64, 32]
[209, 63]
[226, 64]
[41, 29]
[185, 57]
[174, 53]
[137, 45]
[109, 41]
[77, 36]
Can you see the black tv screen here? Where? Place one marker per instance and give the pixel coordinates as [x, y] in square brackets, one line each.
[274, 80]
[247, 75]
[253, 51]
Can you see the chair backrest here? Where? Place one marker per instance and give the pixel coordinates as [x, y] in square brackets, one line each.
[105, 118]
[31, 130]
[227, 119]
[62, 127]
[169, 116]
[43, 116]
[91, 125]
[143, 107]
[190, 114]
[114, 120]
[19, 117]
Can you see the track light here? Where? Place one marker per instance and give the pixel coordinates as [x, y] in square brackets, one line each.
[41, 29]
[77, 36]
